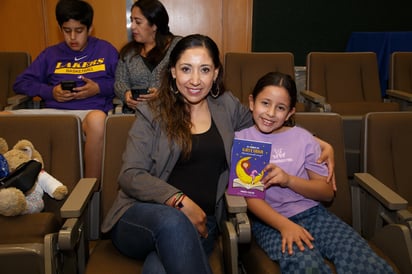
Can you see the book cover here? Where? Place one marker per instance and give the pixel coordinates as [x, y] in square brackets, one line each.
[247, 162]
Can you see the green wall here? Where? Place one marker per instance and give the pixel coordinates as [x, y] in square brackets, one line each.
[314, 25]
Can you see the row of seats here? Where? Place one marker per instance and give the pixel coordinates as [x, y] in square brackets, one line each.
[59, 242]
[336, 82]
[342, 82]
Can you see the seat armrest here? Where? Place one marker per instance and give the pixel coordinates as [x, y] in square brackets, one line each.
[15, 101]
[235, 204]
[72, 231]
[237, 209]
[315, 102]
[313, 97]
[117, 101]
[399, 94]
[404, 216]
[78, 199]
[117, 106]
[381, 192]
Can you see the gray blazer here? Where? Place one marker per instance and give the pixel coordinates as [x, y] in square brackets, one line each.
[149, 158]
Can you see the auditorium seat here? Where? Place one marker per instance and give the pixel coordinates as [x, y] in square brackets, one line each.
[243, 69]
[346, 83]
[30, 243]
[400, 79]
[105, 258]
[328, 127]
[12, 63]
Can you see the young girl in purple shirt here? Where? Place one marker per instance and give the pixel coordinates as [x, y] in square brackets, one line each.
[290, 224]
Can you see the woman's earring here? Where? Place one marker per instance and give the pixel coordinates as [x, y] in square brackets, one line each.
[173, 87]
[215, 90]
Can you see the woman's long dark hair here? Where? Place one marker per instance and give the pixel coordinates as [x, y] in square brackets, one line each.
[156, 14]
[172, 110]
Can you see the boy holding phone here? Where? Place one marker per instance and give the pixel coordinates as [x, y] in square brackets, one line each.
[76, 75]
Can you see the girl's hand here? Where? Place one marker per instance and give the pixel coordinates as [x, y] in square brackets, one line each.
[294, 233]
[274, 175]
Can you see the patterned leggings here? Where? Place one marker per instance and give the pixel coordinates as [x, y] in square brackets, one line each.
[334, 240]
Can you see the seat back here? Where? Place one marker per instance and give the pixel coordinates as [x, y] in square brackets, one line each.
[400, 77]
[243, 69]
[329, 127]
[116, 133]
[349, 81]
[344, 76]
[11, 65]
[58, 139]
[387, 149]
[105, 258]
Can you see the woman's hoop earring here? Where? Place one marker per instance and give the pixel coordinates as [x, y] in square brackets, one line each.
[173, 87]
[215, 89]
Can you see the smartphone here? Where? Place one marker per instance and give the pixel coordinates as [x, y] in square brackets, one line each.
[68, 85]
[136, 92]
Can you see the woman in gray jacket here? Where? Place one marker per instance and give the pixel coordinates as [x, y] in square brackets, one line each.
[175, 166]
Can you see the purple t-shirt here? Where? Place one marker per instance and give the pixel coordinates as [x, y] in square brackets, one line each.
[57, 63]
[294, 150]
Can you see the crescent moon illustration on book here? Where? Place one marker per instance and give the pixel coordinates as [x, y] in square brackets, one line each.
[243, 173]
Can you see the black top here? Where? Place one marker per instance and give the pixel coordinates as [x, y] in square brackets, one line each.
[198, 176]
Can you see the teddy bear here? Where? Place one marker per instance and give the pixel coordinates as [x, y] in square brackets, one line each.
[13, 201]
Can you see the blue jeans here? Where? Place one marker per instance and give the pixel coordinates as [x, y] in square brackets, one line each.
[164, 238]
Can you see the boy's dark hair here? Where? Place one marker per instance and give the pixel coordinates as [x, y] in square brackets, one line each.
[74, 9]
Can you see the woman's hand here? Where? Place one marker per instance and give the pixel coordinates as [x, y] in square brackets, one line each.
[196, 215]
[328, 156]
[132, 103]
[128, 99]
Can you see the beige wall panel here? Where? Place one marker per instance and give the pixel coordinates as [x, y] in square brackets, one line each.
[110, 21]
[237, 22]
[228, 22]
[22, 26]
[53, 33]
[196, 16]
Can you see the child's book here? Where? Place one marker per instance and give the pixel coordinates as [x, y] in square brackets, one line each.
[246, 171]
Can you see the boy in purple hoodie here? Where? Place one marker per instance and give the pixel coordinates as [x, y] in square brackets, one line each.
[85, 60]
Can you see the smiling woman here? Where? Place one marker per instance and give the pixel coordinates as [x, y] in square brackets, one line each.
[174, 172]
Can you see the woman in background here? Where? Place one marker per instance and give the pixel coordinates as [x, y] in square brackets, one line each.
[143, 59]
